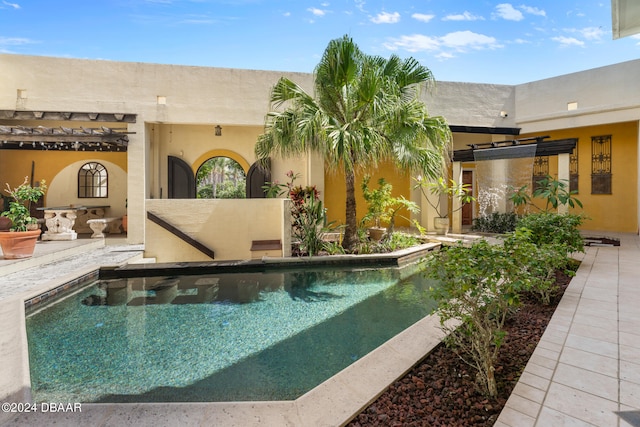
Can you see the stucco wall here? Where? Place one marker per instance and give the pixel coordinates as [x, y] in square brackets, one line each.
[472, 104]
[606, 212]
[228, 227]
[602, 95]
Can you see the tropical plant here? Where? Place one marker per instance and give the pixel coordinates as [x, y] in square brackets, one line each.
[366, 110]
[450, 189]
[554, 192]
[382, 206]
[308, 217]
[20, 201]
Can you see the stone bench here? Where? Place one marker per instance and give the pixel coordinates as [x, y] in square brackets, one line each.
[99, 225]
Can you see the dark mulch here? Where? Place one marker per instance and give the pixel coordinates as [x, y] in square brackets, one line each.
[441, 390]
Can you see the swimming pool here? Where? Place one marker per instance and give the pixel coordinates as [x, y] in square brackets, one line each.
[219, 337]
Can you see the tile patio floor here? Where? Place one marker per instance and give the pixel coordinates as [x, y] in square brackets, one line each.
[586, 369]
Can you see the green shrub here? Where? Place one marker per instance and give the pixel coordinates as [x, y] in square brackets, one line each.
[478, 287]
[496, 222]
[549, 228]
[537, 263]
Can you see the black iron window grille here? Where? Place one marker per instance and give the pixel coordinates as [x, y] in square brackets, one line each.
[573, 170]
[601, 164]
[540, 170]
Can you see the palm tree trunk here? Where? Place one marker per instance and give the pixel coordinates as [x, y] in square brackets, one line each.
[351, 232]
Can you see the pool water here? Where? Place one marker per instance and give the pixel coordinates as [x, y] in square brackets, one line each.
[223, 337]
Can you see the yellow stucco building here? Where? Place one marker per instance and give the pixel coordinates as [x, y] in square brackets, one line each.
[152, 126]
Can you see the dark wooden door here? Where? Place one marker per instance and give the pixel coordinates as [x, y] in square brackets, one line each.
[257, 177]
[467, 208]
[182, 182]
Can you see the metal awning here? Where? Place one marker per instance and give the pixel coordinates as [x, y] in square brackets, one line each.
[544, 148]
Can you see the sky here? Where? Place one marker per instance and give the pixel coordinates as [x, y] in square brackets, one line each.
[474, 41]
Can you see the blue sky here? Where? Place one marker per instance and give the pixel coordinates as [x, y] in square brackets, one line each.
[462, 40]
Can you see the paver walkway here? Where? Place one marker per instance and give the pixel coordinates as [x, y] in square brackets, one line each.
[586, 369]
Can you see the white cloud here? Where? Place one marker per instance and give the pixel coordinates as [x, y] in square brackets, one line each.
[316, 11]
[422, 17]
[465, 16]
[14, 41]
[468, 39]
[592, 33]
[458, 41]
[508, 12]
[414, 43]
[533, 10]
[386, 18]
[13, 5]
[568, 41]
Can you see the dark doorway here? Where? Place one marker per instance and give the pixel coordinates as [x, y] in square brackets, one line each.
[182, 182]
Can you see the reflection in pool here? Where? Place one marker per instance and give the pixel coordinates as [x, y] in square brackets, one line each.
[220, 337]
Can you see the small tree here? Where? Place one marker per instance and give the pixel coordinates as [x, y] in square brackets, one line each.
[382, 206]
[450, 189]
[478, 287]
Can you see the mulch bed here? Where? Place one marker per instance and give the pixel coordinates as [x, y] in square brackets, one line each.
[441, 390]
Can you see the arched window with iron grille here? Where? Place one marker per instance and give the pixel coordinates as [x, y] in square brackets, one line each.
[93, 181]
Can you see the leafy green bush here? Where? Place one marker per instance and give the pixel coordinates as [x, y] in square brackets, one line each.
[479, 285]
[496, 222]
[548, 228]
[537, 263]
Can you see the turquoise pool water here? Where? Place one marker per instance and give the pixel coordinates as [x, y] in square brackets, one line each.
[223, 337]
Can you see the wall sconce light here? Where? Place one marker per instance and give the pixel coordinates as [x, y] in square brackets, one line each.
[218, 130]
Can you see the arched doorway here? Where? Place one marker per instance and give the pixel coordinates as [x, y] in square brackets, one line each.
[220, 177]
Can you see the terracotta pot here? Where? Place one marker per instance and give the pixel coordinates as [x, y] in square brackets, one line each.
[125, 223]
[376, 233]
[18, 244]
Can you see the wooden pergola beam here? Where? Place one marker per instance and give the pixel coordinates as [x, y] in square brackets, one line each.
[67, 116]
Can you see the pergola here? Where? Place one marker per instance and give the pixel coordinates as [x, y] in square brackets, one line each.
[98, 138]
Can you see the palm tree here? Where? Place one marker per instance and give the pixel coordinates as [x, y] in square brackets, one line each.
[366, 110]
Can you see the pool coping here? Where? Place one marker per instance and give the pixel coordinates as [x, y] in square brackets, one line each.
[334, 402]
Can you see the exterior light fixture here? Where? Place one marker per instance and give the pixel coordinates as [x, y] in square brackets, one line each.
[218, 129]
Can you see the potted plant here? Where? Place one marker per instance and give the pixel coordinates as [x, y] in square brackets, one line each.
[450, 189]
[376, 201]
[381, 206]
[20, 240]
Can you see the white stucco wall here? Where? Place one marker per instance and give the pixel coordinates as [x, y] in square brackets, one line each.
[603, 95]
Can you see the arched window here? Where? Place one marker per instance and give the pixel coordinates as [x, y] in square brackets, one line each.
[92, 181]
